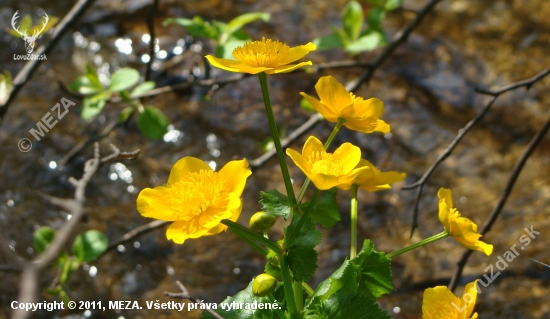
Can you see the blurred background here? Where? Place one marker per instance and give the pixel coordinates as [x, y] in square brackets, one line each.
[427, 86]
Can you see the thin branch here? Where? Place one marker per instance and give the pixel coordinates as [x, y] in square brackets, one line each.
[461, 133]
[151, 27]
[73, 206]
[27, 71]
[138, 231]
[502, 199]
[184, 294]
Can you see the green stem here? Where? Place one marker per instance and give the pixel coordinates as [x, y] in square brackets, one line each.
[287, 282]
[327, 144]
[298, 297]
[423, 242]
[252, 244]
[278, 311]
[353, 246]
[290, 238]
[276, 140]
[308, 289]
[245, 232]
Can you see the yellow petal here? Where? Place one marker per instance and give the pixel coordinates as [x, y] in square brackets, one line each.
[312, 145]
[333, 94]
[469, 296]
[371, 108]
[300, 161]
[185, 166]
[180, 231]
[221, 227]
[298, 52]
[287, 68]
[348, 156]
[465, 232]
[214, 215]
[367, 125]
[155, 203]
[438, 302]
[326, 112]
[224, 64]
[324, 182]
[233, 176]
[444, 208]
[445, 194]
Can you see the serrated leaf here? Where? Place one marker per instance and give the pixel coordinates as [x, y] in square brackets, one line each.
[346, 305]
[244, 297]
[274, 203]
[373, 271]
[344, 279]
[392, 5]
[42, 237]
[123, 79]
[325, 211]
[153, 123]
[92, 105]
[352, 19]
[241, 21]
[142, 88]
[90, 245]
[302, 257]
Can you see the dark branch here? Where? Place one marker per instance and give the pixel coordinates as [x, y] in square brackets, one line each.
[138, 231]
[27, 71]
[502, 199]
[461, 133]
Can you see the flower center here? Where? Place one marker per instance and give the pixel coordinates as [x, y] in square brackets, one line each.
[265, 53]
[321, 162]
[195, 193]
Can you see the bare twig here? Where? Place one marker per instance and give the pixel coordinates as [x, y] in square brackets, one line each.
[138, 231]
[73, 206]
[503, 197]
[26, 72]
[184, 294]
[461, 133]
[151, 27]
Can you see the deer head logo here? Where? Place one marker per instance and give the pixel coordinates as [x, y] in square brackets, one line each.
[29, 40]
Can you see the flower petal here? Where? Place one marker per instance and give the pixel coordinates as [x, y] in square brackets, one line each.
[444, 207]
[300, 161]
[469, 296]
[312, 145]
[155, 203]
[465, 232]
[287, 68]
[324, 182]
[367, 125]
[298, 52]
[438, 303]
[184, 166]
[326, 112]
[348, 156]
[180, 231]
[333, 94]
[233, 176]
[371, 108]
[225, 64]
[445, 194]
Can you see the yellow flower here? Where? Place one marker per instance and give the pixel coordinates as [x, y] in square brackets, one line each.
[327, 170]
[462, 229]
[441, 303]
[336, 102]
[264, 56]
[196, 198]
[372, 179]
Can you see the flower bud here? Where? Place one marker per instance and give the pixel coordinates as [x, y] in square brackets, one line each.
[261, 222]
[263, 285]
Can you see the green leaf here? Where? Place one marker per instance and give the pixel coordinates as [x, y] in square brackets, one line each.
[244, 298]
[153, 123]
[42, 237]
[92, 105]
[123, 79]
[325, 211]
[196, 27]
[377, 3]
[88, 83]
[6, 86]
[226, 51]
[328, 42]
[142, 88]
[375, 17]
[90, 245]
[346, 305]
[274, 203]
[368, 42]
[302, 257]
[65, 270]
[241, 21]
[392, 5]
[125, 114]
[342, 280]
[373, 271]
[352, 19]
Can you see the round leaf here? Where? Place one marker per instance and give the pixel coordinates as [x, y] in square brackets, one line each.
[153, 123]
[90, 245]
[42, 237]
[123, 79]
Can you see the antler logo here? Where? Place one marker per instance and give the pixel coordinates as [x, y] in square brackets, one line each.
[29, 40]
